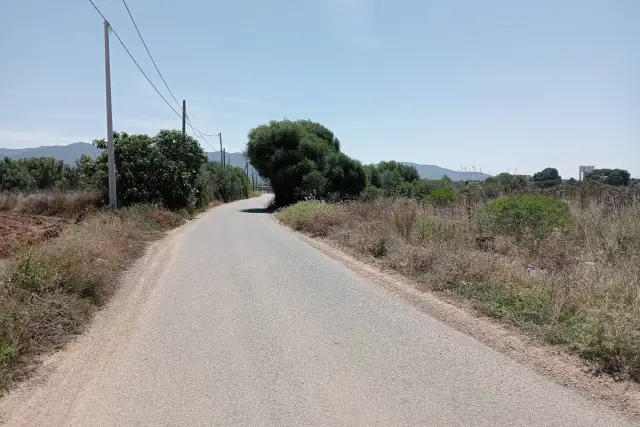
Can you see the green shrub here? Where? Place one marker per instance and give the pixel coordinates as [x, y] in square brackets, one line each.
[526, 216]
[443, 196]
[32, 272]
[159, 170]
[380, 246]
[223, 183]
[370, 193]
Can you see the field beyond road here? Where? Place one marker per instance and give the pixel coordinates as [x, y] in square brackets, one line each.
[233, 320]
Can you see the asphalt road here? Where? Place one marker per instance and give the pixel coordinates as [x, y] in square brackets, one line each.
[251, 326]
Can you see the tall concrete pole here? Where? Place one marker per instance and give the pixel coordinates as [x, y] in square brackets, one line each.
[111, 156]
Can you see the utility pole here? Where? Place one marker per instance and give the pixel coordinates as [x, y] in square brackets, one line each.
[111, 156]
[224, 156]
[184, 119]
[221, 153]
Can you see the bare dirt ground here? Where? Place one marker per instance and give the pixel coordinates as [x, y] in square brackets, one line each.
[20, 230]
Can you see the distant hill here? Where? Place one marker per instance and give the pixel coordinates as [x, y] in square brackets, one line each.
[436, 172]
[69, 154]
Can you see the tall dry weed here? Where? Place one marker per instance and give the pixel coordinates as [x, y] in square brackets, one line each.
[579, 289]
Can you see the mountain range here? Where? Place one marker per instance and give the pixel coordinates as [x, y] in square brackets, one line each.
[69, 154]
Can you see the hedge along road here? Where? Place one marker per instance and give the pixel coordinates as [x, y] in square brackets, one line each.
[239, 322]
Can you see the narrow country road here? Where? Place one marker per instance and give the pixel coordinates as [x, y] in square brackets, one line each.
[248, 325]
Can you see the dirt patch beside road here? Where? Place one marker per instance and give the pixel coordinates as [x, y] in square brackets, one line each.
[21, 230]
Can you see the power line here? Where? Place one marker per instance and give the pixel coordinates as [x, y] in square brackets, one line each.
[202, 134]
[149, 53]
[196, 133]
[199, 131]
[136, 62]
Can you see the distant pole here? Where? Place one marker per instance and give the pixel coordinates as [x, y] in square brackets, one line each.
[184, 119]
[111, 156]
[221, 153]
[224, 151]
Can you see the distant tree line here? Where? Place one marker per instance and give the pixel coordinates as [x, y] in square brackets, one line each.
[166, 169]
[301, 160]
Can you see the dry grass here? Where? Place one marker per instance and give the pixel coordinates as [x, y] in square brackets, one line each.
[48, 292]
[54, 203]
[253, 194]
[578, 288]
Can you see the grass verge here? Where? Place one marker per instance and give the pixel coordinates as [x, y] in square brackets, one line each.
[48, 292]
[577, 286]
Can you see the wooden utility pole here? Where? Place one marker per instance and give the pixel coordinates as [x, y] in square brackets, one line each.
[221, 153]
[111, 156]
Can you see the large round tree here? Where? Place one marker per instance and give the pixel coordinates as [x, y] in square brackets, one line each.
[298, 158]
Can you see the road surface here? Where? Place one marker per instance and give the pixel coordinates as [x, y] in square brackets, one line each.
[248, 325]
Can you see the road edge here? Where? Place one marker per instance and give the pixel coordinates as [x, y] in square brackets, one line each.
[48, 395]
[553, 363]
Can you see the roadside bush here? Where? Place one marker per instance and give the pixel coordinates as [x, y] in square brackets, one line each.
[370, 193]
[36, 173]
[313, 217]
[345, 176]
[222, 183]
[159, 170]
[443, 196]
[526, 216]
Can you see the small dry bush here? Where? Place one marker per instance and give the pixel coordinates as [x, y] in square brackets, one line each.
[49, 292]
[54, 203]
[8, 201]
[567, 273]
[315, 218]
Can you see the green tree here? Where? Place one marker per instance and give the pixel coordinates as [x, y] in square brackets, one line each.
[223, 183]
[373, 175]
[616, 177]
[163, 169]
[548, 174]
[293, 155]
[408, 173]
[14, 176]
[390, 182]
[507, 183]
[345, 176]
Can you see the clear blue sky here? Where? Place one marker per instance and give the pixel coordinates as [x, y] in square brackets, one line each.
[496, 85]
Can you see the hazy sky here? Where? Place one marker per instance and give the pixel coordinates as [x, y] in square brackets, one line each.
[492, 85]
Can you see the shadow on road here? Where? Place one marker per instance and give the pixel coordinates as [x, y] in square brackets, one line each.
[258, 210]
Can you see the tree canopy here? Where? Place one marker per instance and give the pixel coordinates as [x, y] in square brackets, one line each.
[616, 177]
[548, 174]
[303, 159]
